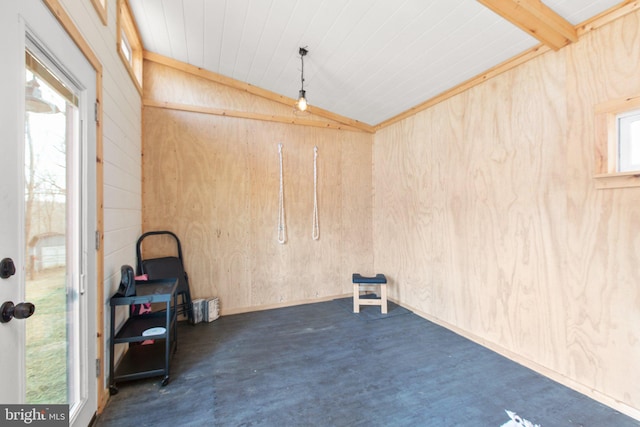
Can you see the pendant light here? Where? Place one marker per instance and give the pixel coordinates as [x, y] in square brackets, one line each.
[301, 104]
[34, 101]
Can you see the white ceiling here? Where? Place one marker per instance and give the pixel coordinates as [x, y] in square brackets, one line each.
[368, 60]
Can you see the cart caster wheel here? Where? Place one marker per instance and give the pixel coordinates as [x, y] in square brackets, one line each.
[165, 381]
[113, 390]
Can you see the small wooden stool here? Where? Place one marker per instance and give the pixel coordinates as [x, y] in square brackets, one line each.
[367, 282]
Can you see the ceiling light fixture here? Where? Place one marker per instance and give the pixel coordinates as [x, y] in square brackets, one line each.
[301, 104]
[34, 101]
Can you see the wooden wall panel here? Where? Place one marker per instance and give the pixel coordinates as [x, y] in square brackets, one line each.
[214, 181]
[487, 219]
[356, 224]
[189, 161]
[200, 92]
[603, 339]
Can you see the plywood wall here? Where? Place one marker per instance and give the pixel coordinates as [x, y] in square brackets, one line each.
[487, 219]
[214, 181]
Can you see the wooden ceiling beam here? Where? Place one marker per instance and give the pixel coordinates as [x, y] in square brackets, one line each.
[537, 19]
[598, 21]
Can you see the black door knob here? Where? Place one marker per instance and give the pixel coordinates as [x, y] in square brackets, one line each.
[7, 268]
[21, 311]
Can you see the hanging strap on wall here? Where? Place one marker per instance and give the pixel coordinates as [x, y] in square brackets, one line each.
[282, 230]
[315, 232]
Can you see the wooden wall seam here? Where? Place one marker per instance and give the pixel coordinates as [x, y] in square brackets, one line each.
[246, 115]
[254, 90]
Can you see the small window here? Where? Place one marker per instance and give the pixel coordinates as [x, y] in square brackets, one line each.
[617, 126]
[125, 47]
[129, 44]
[629, 141]
[101, 8]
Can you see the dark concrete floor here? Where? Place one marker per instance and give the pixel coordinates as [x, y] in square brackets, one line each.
[321, 365]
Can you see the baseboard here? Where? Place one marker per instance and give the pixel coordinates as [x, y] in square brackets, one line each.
[241, 310]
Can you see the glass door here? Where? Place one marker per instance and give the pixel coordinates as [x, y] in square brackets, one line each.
[48, 215]
[51, 226]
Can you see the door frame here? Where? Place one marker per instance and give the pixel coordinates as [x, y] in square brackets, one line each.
[65, 20]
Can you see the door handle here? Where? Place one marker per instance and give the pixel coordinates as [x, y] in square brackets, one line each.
[7, 268]
[21, 311]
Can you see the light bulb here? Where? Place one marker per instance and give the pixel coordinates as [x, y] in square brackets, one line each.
[302, 101]
[302, 104]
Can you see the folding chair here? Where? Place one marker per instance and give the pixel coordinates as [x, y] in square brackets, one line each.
[165, 268]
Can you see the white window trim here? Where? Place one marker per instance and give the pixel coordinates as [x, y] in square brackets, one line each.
[624, 143]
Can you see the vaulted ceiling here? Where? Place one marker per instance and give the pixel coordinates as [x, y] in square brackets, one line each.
[368, 60]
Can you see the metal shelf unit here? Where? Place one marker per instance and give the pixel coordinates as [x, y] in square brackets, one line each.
[149, 359]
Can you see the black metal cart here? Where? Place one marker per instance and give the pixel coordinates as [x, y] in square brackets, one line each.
[152, 337]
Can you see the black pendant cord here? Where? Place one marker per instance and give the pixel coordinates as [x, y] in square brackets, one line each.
[303, 51]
